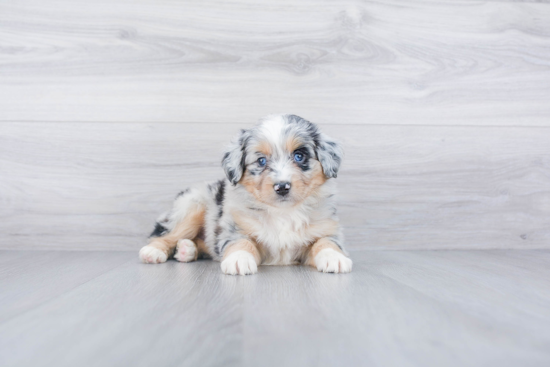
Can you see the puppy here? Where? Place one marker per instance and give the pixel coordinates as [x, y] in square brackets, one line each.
[275, 207]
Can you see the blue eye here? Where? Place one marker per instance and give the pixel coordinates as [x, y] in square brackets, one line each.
[262, 161]
[298, 157]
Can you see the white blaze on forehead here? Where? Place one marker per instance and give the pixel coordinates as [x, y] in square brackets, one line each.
[272, 130]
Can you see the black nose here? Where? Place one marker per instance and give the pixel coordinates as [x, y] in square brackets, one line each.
[282, 188]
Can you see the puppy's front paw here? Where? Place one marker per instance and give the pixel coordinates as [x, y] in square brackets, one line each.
[332, 261]
[186, 251]
[152, 255]
[240, 262]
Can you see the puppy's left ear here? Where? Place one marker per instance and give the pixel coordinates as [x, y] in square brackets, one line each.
[233, 161]
[330, 154]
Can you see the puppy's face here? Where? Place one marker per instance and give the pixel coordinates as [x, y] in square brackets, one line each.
[282, 160]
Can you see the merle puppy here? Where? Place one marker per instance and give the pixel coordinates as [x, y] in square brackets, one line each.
[275, 207]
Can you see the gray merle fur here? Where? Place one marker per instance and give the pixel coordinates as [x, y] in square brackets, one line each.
[159, 230]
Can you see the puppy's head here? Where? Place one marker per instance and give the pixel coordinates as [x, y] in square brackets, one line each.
[282, 160]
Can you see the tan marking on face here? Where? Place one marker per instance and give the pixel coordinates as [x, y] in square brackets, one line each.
[244, 245]
[261, 186]
[292, 143]
[303, 183]
[188, 228]
[250, 183]
[306, 183]
[318, 177]
[264, 147]
[321, 244]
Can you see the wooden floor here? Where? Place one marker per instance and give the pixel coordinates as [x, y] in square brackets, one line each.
[397, 308]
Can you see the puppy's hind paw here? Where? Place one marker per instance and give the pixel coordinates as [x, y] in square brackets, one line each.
[332, 261]
[239, 263]
[186, 251]
[152, 255]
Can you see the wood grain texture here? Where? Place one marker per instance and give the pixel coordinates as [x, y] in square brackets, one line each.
[133, 315]
[101, 185]
[397, 308]
[403, 308]
[462, 62]
[29, 279]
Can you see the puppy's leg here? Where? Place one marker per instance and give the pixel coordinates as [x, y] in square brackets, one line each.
[327, 257]
[241, 258]
[161, 248]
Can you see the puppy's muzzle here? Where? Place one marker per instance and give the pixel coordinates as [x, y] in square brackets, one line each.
[282, 188]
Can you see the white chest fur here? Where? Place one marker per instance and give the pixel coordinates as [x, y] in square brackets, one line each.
[284, 234]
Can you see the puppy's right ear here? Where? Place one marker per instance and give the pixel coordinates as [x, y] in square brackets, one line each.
[233, 161]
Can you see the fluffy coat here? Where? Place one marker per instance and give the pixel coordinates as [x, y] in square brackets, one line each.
[276, 205]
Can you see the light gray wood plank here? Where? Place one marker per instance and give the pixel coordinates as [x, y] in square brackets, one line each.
[397, 308]
[137, 314]
[362, 62]
[29, 279]
[475, 282]
[101, 186]
[392, 311]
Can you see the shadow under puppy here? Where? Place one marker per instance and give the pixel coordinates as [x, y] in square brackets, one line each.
[276, 206]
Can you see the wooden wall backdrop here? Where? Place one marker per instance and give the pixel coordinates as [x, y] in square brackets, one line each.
[109, 108]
